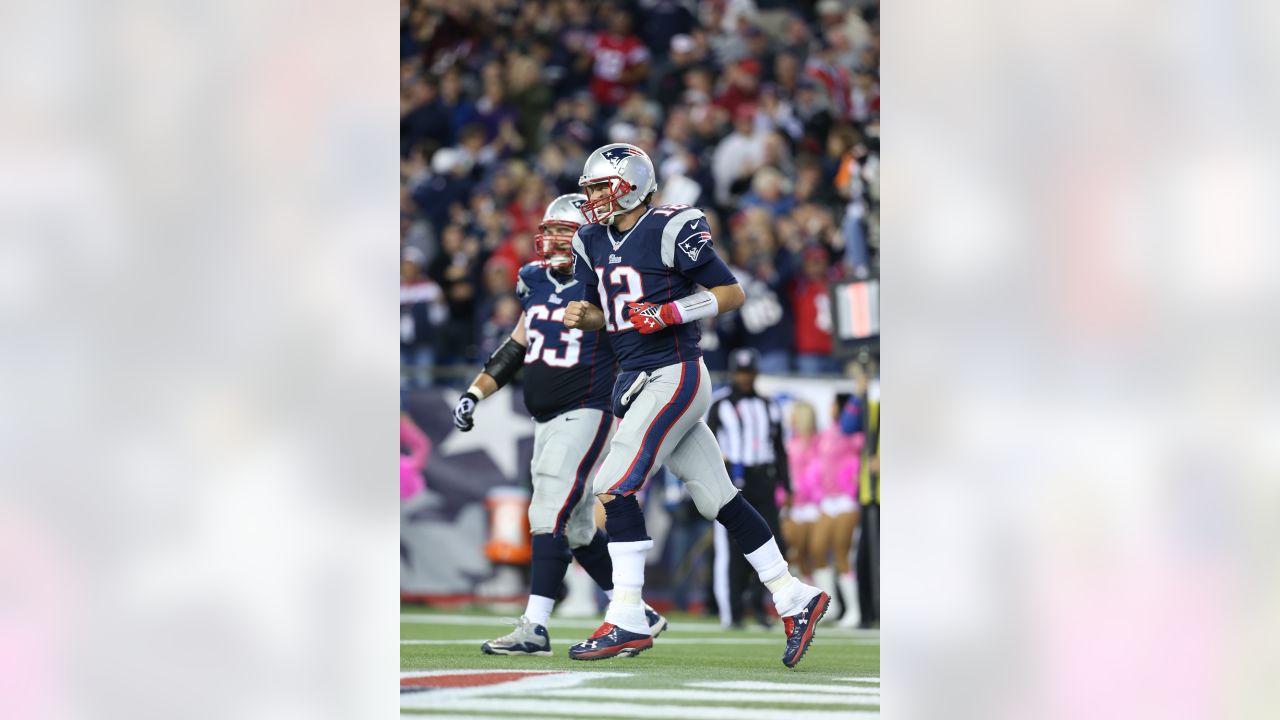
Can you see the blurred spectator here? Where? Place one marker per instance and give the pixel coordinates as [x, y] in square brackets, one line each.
[813, 315]
[618, 59]
[498, 325]
[669, 81]
[761, 112]
[769, 190]
[663, 21]
[739, 155]
[419, 446]
[420, 312]
[742, 88]
[454, 269]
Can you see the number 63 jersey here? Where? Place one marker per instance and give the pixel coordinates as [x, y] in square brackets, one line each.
[564, 369]
[665, 256]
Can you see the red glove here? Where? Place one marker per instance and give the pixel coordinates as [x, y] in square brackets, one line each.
[649, 318]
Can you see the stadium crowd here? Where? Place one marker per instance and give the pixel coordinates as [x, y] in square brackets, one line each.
[764, 114]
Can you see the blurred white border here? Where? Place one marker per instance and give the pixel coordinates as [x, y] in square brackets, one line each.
[196, 282]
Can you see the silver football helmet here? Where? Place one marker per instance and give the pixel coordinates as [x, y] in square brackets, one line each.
[553, 243]
[629, 173]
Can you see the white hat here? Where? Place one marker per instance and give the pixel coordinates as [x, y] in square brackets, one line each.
[830, 7]
[682, 43]
[445, 160]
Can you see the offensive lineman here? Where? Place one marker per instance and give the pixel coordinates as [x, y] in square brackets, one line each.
[646, 263]
[567, 380]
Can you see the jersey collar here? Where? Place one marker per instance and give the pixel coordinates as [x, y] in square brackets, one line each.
[617, 244]
[559, 287]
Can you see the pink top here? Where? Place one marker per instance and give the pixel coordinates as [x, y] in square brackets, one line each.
[839, 457]
[824, 465]
[806, 470]
[419, 445]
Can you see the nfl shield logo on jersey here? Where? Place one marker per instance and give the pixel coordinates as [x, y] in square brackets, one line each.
[693, 244]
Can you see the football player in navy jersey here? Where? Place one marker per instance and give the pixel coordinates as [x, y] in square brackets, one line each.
[653, 274]
[568, 377]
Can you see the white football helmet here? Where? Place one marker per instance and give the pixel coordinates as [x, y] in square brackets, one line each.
[630, 175]
[563, 214]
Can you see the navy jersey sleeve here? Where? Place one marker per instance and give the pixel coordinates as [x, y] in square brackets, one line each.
[584, 272]
[522, 287]
[688, 248]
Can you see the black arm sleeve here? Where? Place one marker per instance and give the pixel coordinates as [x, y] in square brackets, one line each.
[505, 362]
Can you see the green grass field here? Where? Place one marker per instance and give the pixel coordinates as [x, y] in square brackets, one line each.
[694, 670]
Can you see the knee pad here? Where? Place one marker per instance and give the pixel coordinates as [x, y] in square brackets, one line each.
[709, 494]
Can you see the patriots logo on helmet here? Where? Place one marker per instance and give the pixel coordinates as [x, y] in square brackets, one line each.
[619, 153]
[693, 244]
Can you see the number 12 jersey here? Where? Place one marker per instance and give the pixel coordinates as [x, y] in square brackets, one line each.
[665, 256]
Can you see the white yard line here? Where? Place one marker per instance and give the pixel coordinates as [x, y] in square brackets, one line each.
[730, 696]
[756, 685]
[874, 680]
[664, 640]
[676, 626]
[438, 716]
[595, 709]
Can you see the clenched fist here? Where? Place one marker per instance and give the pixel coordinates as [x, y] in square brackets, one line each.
[463, 411]
[583, 315]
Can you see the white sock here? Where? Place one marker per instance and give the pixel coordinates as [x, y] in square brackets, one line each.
[539, 609]
[626, 609]
[789, 594]
[768, 562]
[628, 562]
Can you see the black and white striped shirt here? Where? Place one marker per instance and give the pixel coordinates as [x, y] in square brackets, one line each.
[748, 428]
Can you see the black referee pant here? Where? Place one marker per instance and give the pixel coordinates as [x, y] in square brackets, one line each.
[735, 582]
[867, 566]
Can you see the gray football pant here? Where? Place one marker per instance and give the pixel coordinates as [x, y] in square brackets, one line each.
[567, 451]
[663, 426]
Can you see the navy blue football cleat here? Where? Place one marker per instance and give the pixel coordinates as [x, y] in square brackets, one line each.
[800, 628]
[609, 641]
[529, 638]
[657, 623]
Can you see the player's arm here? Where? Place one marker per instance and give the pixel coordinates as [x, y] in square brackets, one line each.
[686, 248]
[584, 314]
[501, 367]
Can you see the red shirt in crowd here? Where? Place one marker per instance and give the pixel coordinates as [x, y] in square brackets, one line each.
[614, 55]
[813, 317]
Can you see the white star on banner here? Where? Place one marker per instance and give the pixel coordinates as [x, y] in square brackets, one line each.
[498, 432]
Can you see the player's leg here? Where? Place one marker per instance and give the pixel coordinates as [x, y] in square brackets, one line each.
[697, 459]
[565, 449]
[530, 635]
[587, 541]
[674, 398]
[824, 575]
[759, 490]
[845, 523]
[590, 547]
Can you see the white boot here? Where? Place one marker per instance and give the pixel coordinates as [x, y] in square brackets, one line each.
[849, 589]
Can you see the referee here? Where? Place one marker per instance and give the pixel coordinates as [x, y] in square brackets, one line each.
[748, 428]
